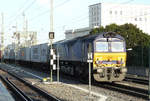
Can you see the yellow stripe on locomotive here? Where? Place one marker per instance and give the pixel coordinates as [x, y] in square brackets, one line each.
[114, 60]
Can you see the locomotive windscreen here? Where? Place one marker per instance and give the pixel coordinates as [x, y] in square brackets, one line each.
[109, 45]
[101, 46]
[117, 46]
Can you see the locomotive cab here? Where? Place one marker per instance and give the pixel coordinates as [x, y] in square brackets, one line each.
[109, 58]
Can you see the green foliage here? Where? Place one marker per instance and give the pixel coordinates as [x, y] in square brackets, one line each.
[133, 35]
[135, 39]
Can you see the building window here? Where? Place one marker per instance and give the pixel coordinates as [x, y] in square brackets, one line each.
[140, 19]
[116, 12]
[120, 12]
[135, 19]
[110, 12]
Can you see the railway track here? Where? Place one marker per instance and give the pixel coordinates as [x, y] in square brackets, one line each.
[137, 80]
[18, 93]
[125, 88]
[25, 90]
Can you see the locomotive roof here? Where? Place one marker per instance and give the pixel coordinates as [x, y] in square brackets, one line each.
[103, 35]
[92, 37]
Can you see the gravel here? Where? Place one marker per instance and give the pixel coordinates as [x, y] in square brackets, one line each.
[67, 91]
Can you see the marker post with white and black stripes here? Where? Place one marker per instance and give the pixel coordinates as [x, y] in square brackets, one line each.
[52, 62]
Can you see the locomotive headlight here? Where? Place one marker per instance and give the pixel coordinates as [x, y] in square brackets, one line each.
[97, 62]
[100, 70]
[124, 70]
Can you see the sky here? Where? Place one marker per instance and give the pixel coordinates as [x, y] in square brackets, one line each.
[68, 14]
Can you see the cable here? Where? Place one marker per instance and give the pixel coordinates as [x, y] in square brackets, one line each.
[23, 10]
[29, 6]
[47, 11]
[20, 8]
[63, 3]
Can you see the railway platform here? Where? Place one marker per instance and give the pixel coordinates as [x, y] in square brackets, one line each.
[4, 94]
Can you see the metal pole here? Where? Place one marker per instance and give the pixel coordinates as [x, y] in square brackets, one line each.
[51, 29]
[142, 56]
[24, 28]
[89, 79]
[149, 77]
[15, 49]
[51, 16]
[15, 44]
[58, 67]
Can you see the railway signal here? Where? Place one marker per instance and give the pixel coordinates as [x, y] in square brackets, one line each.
[51, 35]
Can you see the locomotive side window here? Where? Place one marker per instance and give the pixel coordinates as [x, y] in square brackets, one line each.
[101, 46]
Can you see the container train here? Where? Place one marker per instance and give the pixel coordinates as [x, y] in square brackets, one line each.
[108, 50]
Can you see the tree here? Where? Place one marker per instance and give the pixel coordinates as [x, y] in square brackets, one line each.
[133, 35]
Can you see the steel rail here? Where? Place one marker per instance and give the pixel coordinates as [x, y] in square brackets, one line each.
[125, 89]
[137, 80]
[42, 92]
[16, 90]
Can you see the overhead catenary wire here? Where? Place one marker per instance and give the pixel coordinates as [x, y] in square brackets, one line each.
[20, 11]
[47, 11]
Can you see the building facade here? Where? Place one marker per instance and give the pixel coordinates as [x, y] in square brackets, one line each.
[103, 14]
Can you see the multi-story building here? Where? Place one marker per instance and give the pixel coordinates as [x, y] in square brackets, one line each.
[103, 14]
